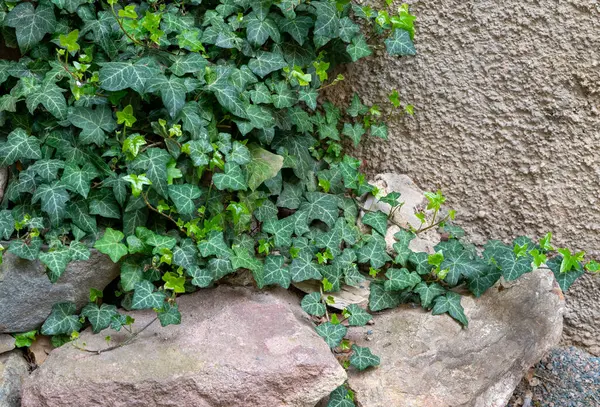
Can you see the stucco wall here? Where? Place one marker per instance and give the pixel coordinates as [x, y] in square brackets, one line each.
[507, 124]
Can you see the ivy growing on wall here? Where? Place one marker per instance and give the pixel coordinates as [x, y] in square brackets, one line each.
[188, 141]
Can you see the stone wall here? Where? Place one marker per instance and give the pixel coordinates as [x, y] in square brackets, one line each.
[507, 124]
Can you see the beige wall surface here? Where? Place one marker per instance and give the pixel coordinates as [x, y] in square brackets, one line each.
[507, 123]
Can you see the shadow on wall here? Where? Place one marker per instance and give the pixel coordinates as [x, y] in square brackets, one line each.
[507, 115]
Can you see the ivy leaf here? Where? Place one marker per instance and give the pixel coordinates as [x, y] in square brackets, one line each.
[79, 214]
[7, 224]
[31, 24]
[358, 48]
[185, 254]
[450, 303]
[260, 117]
[154, 162]
[403, 237]
[373, 251]
[312, 304]
[303, 268]
[131, 274]
[99, 316]
[354, 131]
[263, 165]
[281, 230]
[144, 296]
[189, 63]
[183, 196]
[227, 95]
[47, 169]
[328, 22]
[358, 316]
[565, 280]
[105, 205]
[380, 299]
[51, 97]
[484, 280]
[220, 267]
[297, 27]
[233, 178]
[291, 196]
[332, 334]
[26, 250]
[322, 207]
[266, 62]
[56, 261]
[401, 279]
[340, 398]
[239, 154]
[69, 5]
[348, 29]
[172, 91]
[53, 199]
[362, 358]
[111, 244]
[275, 272]
[461, 265]
[377, 220]
[512, 266]
[78, 179]
[392, 199]
[400, 43]
[115, 76]
[19, 146]
[169, 314]
[245, 259]
[94, 123]
[428, 292]
[259, 30]
[309, 96]
[214, 245]
[201, 277]
[380, 131]
[420, 262]
[61, 320]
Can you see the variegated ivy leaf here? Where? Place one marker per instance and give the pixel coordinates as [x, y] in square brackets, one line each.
[564, 279]
[312, 304]
[358, 316]
[377, 220]
[328, 21]
[56, 261]
[400, 43]
[450, 303]
[232, 178]
[31, 23]
[185, 254]
[322, 207]
[78, 179]
[19, 146]
[332, 334]
[380, 299]
[62, 320]
[51, 97]
[111, 244]
[362, 358]
[53, 198]
[461, 265]
[172, 91]
[403, 237]
[28, 250]
[259, 29]
[93, 122]
[263, 165]
[401, 279]
[428, 292]
[281, 230]
[169, 314]
[115, 76]
[266, 62]
[214, 245]
[188, 63]
[100, 317]
[7, 224]
[358, 48]
[47, 169]
[275, 272]
[201, 277]
[304, 268]
[183, 196]
[373, 252]
[145, 296]
[220, 267]
[297, 27]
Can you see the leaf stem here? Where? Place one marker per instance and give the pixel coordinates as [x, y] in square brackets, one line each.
[127, 342]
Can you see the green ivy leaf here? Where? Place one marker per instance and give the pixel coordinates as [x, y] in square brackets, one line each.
[56, 261]
[232, 178]
[565, 280]
[297, 27]
[358, 316]
[51, 97]
[322, 207]
[94, 123]
[362, 358]
[169, 314]
[214, 245]
[354, 131]
[358, 48]
[512, 266]
[26, 250]
[328, 22]
[266, 62]
[275, 272]
[303, 268]
[19, 146]
[99, 316]
[450, 303]
[31, 24]
[428, 292]
[403, 237]
[202, 277]
[183, 196]
[281, 230]
[263, 165]
[401, 279]
[78, 179]
[61, 320]
[377, 220]
[484, 280]
[53, 198]
[400, 43]
[115, 76]
[312, 304]
[111, 244]
[373, 251]
[145, 297]
[460, 265]
[380, 299]
[332, 334]
[172, 91]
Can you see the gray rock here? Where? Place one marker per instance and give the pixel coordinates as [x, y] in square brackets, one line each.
[13, 370]
[430, 361]
[27, 295]
[3, 181]
[235, 347]
[582, 318]
[7, 343]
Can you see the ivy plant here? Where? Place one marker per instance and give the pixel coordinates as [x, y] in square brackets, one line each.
[191, 140]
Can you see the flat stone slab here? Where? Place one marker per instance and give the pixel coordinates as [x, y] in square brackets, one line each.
[27, 295]
[234, 347]
[430, 361]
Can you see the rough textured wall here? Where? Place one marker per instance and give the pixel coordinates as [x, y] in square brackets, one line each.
[507, 124]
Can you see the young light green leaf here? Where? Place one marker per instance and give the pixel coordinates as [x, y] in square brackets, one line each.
[111, 244]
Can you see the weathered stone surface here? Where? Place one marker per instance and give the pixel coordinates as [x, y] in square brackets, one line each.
[506, 95]
[582, 318]
[234, 347]
[7, 343]
[430, 361]
[13, 370]
[27, 295]
[3, 181]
